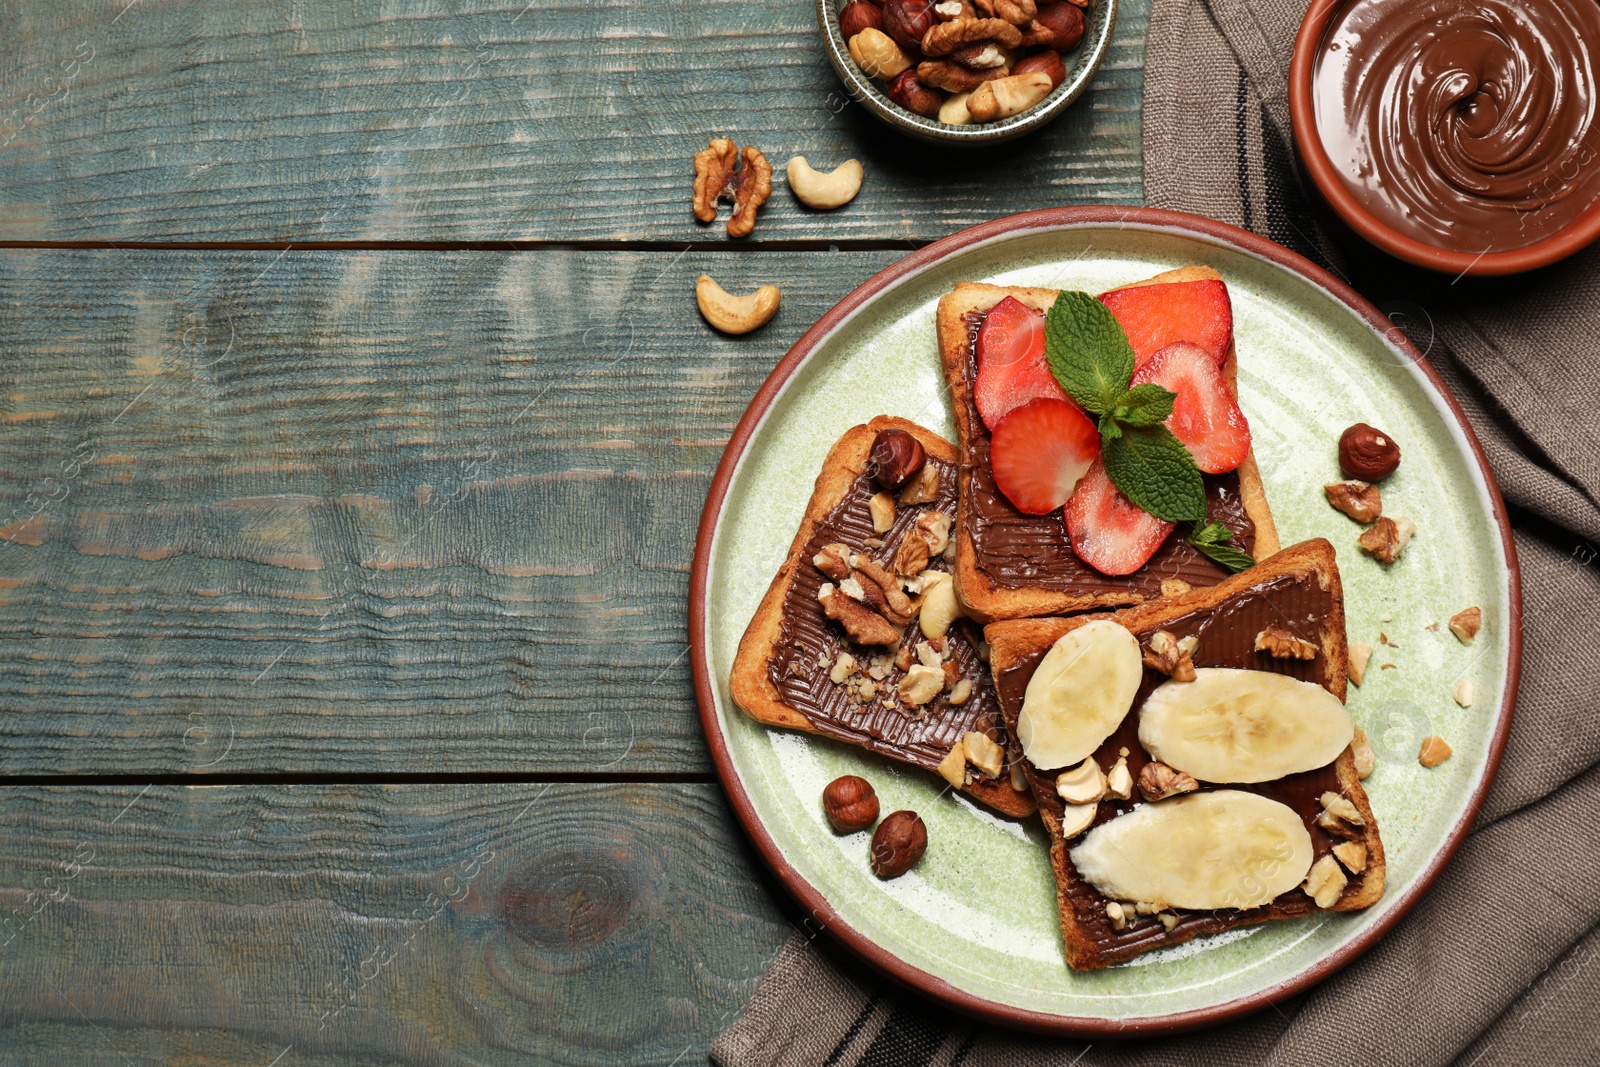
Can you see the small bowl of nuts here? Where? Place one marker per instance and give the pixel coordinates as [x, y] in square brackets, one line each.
[966, 71]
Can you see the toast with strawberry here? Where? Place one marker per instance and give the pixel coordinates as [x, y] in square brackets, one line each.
[1045, 524]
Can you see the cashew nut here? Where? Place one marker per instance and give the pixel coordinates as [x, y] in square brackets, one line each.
[735, 314]
[824, 191]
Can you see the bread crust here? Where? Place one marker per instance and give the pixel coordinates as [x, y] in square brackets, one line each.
[752, 690]
[1011, 642]
[983, 599]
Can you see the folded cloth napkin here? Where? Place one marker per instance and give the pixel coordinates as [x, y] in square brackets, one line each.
[1500, 962]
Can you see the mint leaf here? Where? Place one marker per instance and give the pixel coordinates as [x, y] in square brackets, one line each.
[1087, 351]
[1211, 541]
[1144, 405]
[1155, 472]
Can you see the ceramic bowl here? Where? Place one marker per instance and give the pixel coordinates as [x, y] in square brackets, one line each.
[871, 93]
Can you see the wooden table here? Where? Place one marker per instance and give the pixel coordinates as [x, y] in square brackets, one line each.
[356, 419]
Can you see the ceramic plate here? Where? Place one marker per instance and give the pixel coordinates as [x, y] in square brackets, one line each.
[974, 925]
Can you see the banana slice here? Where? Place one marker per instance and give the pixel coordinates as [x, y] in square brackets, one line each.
[1222, 849]
[1244, 726]
[1079, 695]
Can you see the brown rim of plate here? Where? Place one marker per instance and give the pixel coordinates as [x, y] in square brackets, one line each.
[898, 970]
[1082, 64]
[1575, 236]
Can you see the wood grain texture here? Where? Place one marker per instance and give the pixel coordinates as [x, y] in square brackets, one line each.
[557, 924]
[484, 120]
[364, 511]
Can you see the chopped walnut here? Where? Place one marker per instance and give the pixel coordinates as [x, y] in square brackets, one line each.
[1157, 781]
[888, 598]
[1434, 751]
[924, 488]
[719, 177]
[1359, 500]
[834, 561]
[1353, 854]
[1340, 817]
[1466, 623]
[1325, 882]
[865, 626]
[843, 667]
[1387, 538]
[1360, 654]
[1281, 644]
[913, 555]
[904, 658]
[1165, 653]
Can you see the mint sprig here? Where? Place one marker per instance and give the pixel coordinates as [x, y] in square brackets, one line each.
[1089, 355]
[1211, 541]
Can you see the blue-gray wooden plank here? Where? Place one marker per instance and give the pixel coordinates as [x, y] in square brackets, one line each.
[484, 120]
[366, 512]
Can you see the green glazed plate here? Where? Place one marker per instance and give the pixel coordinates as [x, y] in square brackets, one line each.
[974, 925]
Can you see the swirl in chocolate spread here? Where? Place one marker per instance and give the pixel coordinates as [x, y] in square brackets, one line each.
[808, 643]
[1017, 551]
[1226, 637]
[1464, 125]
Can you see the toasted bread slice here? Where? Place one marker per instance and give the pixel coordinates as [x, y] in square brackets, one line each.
[1299, 590]
[1046, 577]
[781, 673]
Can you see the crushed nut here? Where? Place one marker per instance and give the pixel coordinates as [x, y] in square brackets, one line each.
[913, 555]
[921, 684]
[719, 177]
[952, 674]
[881, 507]
[1359, 655]
[1434, 751]
[934, 527]
[867, 689]
[1174, 587]
[1168, 920]
[904, 658]
[1353, 854]
[1117, 914]
[1340, 817]
[1387, 538]
[1165, 653]
[928, 657]
[984, 754]
[1119, 782]
[1281, 644]
[883, 590]
[1083, 784]
[1361, 751]
[961, 692]
[953, 768]
[1019, 777]
[1157, 781]
[1325, 882]
[865, 626]
[1466, 623]
[1462, 693]
[924, 488]
[946, 37]
[843, 667]
[1359, 500]
[852, 588]
[834, 561]
[1146, 907]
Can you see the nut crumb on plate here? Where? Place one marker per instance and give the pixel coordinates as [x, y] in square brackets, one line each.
[1434, 751]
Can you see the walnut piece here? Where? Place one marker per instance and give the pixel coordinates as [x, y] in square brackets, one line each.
[1325, 882]
[1359, 500]
[1434, 751]
[952, 77]
[946, 37]
[1157, 781]
[1353, 854]
[1016, 12]
[1340, 817]
[1165, 653]
[718, 176]
[1281, 644]
[913, 555]
[1466, 623]
[865, 626]
[843, 667]
[1387, 538]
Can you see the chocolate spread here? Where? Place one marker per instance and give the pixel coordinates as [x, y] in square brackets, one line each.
[808, 642]
[1464, 124]
[1226, 639]
[1032, 551]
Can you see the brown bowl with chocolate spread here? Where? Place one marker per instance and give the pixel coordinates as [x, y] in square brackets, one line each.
[1458, 135]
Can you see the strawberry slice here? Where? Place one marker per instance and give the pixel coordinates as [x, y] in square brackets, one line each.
[1108, 532]
[1011, 364]
[1154, 316]
[1206, 415]
[1040, 453]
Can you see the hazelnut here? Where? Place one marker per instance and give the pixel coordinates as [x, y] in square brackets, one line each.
[859, 15]
[1367, 453]
[1047, 61]
[850, 804]
[907, 20]
[897, 457]
[1066, 25]
[912, 95]
[898, 844]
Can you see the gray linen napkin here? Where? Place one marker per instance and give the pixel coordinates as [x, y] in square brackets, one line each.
[1500, 962]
